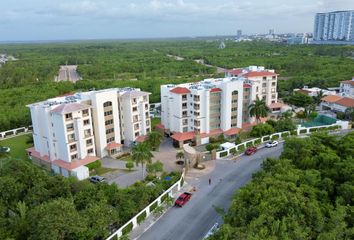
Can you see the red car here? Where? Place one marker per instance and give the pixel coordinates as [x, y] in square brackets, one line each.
[251, 150]
[183, 199]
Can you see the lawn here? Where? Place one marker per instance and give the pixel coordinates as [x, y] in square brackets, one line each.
[154, 122]
[18, 146]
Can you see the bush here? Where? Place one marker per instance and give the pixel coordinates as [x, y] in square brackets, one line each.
[302, 131]
[258, 141]
[232, 150]
[249, 144]
[286, 134]
[266, 138]
[262, 130]
[293, 132]
[126, 154]
[313, 129]
[127, 229]
[223, 154]
[141, 217]
[211, 146]
[129, 165]
[241, 148]
[275, 137]
[153, 206]
[94, 165]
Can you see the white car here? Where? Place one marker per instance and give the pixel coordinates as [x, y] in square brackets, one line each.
[271, 144]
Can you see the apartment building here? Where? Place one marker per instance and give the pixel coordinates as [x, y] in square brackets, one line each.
[334, 26]
[346, 88]
[194, 112]
[72, 131]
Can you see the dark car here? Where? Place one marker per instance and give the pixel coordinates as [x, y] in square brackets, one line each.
[251, 150]
[97, 179]
[183, 199]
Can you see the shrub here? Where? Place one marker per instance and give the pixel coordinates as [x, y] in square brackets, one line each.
[286, 134]
[233, 150]
[258, 141]
[223, 154]
[127, 229]
[94, 165]
[275, 137]
[302, 131]
[249, 144]
[313, 129]
[261, 130]
[129, 165]
[241, 148]
[153, 206]
[141, 217]
[293, 133]
[211, 146]
[266, 138]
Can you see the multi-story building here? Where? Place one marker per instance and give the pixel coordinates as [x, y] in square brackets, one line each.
[346, 88]
[334, 26]
[197, 111]
[71, 131]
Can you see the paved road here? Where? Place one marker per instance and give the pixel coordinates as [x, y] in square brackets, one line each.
[195, 219]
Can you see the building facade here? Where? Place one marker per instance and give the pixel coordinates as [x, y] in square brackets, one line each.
[71, 131]
[346, 88]
[334, 26]
[197, 111]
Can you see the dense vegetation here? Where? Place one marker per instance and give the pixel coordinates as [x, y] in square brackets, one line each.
[307, 194]
[34, 205]
[146, 65]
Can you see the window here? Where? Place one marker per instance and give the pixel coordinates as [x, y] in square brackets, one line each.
[136, 134]
[234, 101]
[73, 148]
[136, 126]
[273, 84]
[88, 142]
[185, 129]
[234, 117]
[234, 109]
[110, 140]
[147, 122]
[73, 157]
[109, 122]
[146, 106]
[256, 89]
[184, 121]
[264, 78]
[110, 130]
[234, 125]
[108, 113]
[184, 113]
[86, 122]
[264, 85]
[145, 98]
[274, 77]
[148, 130]
[184, 105]
[68, 116]
[54, 135]
[274, 96]
[273, 90]
[71, 137]
[234, 93]
[87, 132]
[184, 97]
[107, 104]
[264, 97]
[85, 112]
[135, 109]
[90, 151]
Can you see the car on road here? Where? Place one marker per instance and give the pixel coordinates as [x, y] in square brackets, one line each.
[4, 149]
[183, 199]
[271, 144]
[251, 150]
[97, 179]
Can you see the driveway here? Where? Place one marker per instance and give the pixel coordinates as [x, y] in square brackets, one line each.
[195, 219]
[167, 155]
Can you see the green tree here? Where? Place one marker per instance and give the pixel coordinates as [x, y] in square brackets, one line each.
[211, 146]
[300, 100]
[258, 109]
[154, 168]
[261, 130]
[179, 155]
[317, 99]
[155, 139]
[141, 154]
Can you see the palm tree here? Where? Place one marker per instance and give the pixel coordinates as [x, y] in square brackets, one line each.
[155, 139]
[141, 154]
[179, 155]
[258, 109]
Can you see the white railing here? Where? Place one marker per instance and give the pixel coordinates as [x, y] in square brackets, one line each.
[14, 132]
[146, 211]
[279, 135]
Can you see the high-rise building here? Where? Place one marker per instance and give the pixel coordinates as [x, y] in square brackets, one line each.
[72, 131]
[271, 32]
[334, 26]
[197, 111]
[239, 33]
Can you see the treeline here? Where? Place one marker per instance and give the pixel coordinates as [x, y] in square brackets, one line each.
[307, 194]
[34, 205]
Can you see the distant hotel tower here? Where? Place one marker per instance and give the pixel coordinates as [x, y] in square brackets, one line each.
[334, 26]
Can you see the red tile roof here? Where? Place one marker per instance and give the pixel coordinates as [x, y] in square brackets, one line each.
[32, 151]
[346, 102]
[211, 133]
[180, 90]
[232, 131]
[183, 136]
[75, 164]
[160, 126]
[247, 85]
[259, 74]
[276, 105]
[113, 145]
[350, 82]
[331, 98]
[235, 71]
[215, 90]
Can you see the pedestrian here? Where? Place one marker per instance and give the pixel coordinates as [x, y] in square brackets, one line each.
[209, 181]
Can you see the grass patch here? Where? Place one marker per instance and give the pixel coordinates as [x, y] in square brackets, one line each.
[18, 146]
[154, 122]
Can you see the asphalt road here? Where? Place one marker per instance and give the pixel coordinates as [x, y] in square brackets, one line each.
[194, 220]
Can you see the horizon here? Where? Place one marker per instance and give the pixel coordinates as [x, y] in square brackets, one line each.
[45, 20]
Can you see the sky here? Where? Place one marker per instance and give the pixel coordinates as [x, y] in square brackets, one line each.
[23, 20]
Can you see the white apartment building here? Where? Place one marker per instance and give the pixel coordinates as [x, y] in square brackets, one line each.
[346, 88]
[197, 111]
[336, 26]
[72, 131]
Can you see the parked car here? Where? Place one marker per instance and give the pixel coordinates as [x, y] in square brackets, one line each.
[97, 179]
[251, 150]
[4, 149]
[183, 199]
[271, 144]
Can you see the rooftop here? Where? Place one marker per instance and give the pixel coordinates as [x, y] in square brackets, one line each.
[331, 98]
[70, 107]
[346, 102]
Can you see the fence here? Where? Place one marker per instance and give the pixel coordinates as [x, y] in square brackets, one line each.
[275, 136]
[134, 222]
[14, 132]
